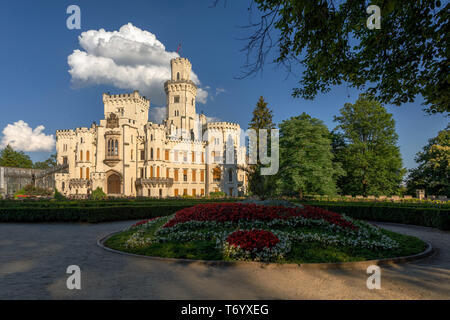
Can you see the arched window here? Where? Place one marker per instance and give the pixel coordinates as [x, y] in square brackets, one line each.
[151, 153]
[87, 155]
[87, 174]
[81, 155]
[178, 76]
[116, 148]
[230, 175]
[157, 154]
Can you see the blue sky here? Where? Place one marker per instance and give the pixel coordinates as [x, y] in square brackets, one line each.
[37, 88]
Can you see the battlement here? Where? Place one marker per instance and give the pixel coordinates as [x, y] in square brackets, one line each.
[181, 61]
[125, 97]
[223, 125]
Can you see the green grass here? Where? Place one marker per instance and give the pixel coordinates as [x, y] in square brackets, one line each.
[309, 252]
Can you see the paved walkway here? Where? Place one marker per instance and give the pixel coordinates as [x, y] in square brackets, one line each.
[34, 258]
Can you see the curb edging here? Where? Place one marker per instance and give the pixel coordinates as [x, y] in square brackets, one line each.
[220, 263]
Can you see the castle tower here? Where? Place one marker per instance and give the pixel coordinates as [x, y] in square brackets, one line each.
[181, 93]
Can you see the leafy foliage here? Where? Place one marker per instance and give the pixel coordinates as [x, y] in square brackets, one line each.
[306, 158]
[11, 158]
[47, 164]
[262, 119]
[366, 145]
[433, 172]
[407, 57]
[98, 194]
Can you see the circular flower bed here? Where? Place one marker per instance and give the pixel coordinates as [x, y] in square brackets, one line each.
[247, 231]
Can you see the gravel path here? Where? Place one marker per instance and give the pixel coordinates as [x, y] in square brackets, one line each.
[34, 258]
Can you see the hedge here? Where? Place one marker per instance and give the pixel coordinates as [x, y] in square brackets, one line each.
[428, 217]
[87, 214]
[100, 211]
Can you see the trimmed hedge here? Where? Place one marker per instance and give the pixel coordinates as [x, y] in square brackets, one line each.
[100, 211]
[87, 214]
[428, 217]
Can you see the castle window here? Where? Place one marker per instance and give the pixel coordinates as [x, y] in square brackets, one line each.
[176, 99]
[194, 193]
[87, 173]
[185, 175]
[216, 174]
[185, 193]
[178, 76]
[185, 156]
[142, 154]
[192, 101]
[151, 153]
[167, 154]
[230, 175]
[81, 173]
[157, 172]
[157, 154]
[194, 176]
[116, 148]
[81, 155]
[63, 186]
[175, 177]
[167, 173]
[175, 193]
[202, 175]
[151, 172]
[142, 172]
[131, 154]
[87, 155]
[176, 155]
[64, 160]
[193, 157]
[202, 192]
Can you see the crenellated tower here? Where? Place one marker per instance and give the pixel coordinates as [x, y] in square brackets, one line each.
[181, 93]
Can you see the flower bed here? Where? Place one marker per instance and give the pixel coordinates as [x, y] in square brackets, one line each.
[243, 231]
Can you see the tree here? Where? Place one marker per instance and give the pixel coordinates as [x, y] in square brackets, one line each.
[306, 158]
[47, 164]
[11, 158]
[433, 172]
[262, 119]
[406, 57]
[370, 157]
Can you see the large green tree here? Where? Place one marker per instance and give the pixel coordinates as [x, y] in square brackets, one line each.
[330, 42]
[306, 158]
[370, 155]
[433, 171]
[262, 119]
[11, 158]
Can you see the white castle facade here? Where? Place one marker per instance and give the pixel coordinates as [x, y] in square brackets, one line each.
[126, 155]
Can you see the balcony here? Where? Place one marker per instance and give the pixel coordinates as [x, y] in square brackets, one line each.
[111, 160]
[154, 182]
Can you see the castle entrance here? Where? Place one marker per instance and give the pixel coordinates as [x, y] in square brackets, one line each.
[114, 184]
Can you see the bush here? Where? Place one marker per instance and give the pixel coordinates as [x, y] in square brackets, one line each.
[217, 194]
[98, 194]
[32, 191]
[58, 196]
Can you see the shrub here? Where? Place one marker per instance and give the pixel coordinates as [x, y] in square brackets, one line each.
[98, 194]
[217, 194]
[58, 196]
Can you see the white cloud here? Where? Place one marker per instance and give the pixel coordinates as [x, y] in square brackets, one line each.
[20, 136]
[130, 58]
[219, 91]
[157, 115]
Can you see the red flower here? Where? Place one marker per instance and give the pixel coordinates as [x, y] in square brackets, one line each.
[142, 222]
[253, 239]
[221, 212]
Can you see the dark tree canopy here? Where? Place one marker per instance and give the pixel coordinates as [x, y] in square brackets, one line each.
[365, 143]
[306, 158]
[433, 172]
[11, 158]
[332, 45]
[262, 119]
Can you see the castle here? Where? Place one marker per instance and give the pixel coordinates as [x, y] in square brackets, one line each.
[126, 155]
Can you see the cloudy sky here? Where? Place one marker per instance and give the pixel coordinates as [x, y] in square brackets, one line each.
[52, 77]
